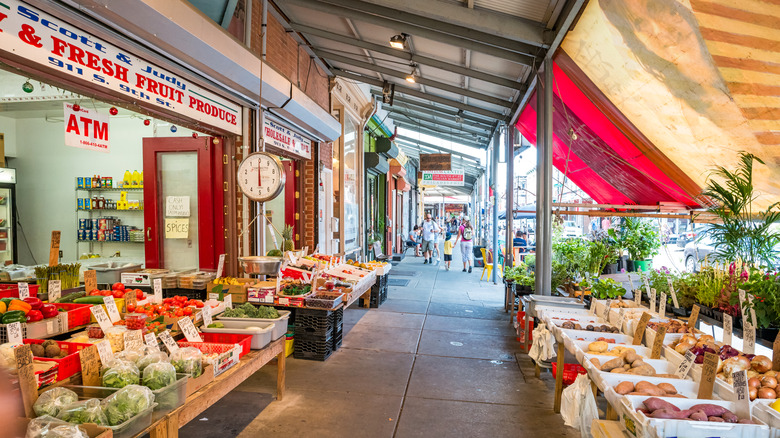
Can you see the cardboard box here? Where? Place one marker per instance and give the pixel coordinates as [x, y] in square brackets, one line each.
[237, 291]
[204, 379]
[93, 430]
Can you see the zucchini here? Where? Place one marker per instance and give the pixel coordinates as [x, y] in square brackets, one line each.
[12, 316]
[70, 297]
[95, 299]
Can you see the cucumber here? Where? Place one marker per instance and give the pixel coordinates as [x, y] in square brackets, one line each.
[95, 299]
[70, 297]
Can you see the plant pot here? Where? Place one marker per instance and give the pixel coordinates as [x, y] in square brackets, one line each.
[767, 334]
[623, 263]
[680, 311]
[705, 310]
[644, 265]
[586, 299]
[611, 268]
[717, 315]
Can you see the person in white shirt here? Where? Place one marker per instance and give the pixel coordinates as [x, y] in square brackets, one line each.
[429, 231]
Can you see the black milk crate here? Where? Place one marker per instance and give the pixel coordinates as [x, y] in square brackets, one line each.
[313, 347]
[337, 340]
[310, 322]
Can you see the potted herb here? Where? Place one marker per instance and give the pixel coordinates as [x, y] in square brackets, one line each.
[765, 289]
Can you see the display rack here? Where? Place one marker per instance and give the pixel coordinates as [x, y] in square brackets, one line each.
[89, 215]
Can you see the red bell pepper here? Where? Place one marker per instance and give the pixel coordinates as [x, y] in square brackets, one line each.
[35, 303]
[49, 311]
[34, 315]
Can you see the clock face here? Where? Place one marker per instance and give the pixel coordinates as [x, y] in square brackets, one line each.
[261, 176]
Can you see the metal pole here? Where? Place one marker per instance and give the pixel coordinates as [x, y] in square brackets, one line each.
[546, 253]
[540, 176]
[494, 185]
[510, 176]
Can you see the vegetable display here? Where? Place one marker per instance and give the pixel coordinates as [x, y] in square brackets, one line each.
[85, 411]
[248, 310]
[127, 403]
[120, 374]
[657, 408]
[159, 375]
[149, 358]
[646, 388]
[47, 426]
[187, 360]
[53, 401]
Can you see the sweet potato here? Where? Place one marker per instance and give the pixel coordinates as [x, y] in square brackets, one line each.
[667, 388]
[671, 415]
[650, 389]
[698, 416]
[596, 362]
[716, 419]
[637, 363]
[624, 388]
[746, 421]
[710, 409]
[631, 357]
[730, 417]
[612, 364]
[654, 403]
[619, 371]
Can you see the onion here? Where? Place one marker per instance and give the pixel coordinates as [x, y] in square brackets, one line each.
[761, 364]
[771, 373]
[752, 373]
[753, 393]
[734, 364]
[769, 382]
[767, 393]
[754, 383]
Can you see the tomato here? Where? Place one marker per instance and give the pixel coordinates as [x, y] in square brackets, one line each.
[181, 299]
[179, 312]
[198, 304]
[117, 286]
[106, 293]
[139, 294]
[94, 293]
[187, 311]
[118, 293]
[130, 308]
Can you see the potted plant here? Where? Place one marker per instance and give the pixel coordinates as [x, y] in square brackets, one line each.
[607, 288]
[765, 289]
[642, 243]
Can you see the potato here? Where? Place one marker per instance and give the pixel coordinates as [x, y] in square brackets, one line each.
[668, 388]
[637, 363]
[644, 370]
[612, 364]
[624, 388]
[619, 371]
[631, 357]
[598, 346]
[596, 362]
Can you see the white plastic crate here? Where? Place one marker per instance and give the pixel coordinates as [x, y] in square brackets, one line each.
[583, 348]
[608, 381]
[261, 334]
[280, 323]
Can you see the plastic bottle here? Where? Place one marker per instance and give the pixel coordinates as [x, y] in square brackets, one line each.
[127, 179]
[142, 178]
[136, 179]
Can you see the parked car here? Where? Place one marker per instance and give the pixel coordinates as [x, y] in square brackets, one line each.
[696, 251]
[691, 234]
[571, 229]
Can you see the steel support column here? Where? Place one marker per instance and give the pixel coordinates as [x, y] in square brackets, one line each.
[544, 181]
[510, 172]
[494, 198]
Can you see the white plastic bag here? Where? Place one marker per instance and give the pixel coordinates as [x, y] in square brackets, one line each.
[588, 409]
[543, 346]
[572, 400]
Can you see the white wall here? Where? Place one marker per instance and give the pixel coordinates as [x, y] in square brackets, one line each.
[8, 129]
[46, 174]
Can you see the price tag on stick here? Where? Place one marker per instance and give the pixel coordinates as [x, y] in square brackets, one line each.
[168, 341]
[25, 372]
[728, 329]
[113, 311]
[24, 290]
[90, 281]
[640, 328]
[105, 352]
[742, 304]
[694, 316]
[638, 297]
[158, 297]
[15, 336]
[151, 341]
[742, 394]
[54, 249]
[652, 300]
[662, 305]
[749, 344]
[90, 366]
[220, 265]
[206, 313]
[753, 320]
[658, 342]
[776, 354]
[672, 293]
[54, 287]
[708, 372]
[189, 330]
[130, 299]
[621, 318]
[606, 310]
[647, 290]
[686, 364]
[101, 317]
[134, 339]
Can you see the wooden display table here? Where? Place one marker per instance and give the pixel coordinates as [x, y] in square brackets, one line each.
[606, 429]
[168, 426]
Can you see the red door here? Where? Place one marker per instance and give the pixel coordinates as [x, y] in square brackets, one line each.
[183, 171]
[289, 194]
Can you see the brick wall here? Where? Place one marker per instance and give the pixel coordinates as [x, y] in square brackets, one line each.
[308, 220]
[288, 58]
[326, 155]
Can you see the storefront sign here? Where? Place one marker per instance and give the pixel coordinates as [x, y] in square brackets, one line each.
[86, 129]
[39, 37]
[450, 178]
[435, 162]
[286, 139]
[177, 206]
[177, 228]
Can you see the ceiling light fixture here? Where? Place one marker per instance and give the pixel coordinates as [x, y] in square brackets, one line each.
[411, 77]
[398, 41]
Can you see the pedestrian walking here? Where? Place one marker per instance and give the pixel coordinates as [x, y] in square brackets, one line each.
[449, 244]
[465, 237]
[429, 231]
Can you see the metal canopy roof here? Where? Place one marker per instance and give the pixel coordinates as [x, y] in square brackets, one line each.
[473, 60]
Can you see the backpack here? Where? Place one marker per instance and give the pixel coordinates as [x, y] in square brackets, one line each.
[468, 233]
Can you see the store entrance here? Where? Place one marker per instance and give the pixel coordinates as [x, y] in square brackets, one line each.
[183, 199]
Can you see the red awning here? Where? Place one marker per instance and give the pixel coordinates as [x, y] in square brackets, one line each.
[602, 160]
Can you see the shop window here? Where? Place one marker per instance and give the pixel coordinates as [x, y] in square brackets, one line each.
[351, 205]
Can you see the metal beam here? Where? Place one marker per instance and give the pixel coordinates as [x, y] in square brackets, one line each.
[435, 108]
[446, 118]
[420, 80]
[416, 93]
[453, 20]
[432, 130]
[411, 57]
[510, 196]
[466, 159]
[412, 29]
[412, 118]
[407, 139]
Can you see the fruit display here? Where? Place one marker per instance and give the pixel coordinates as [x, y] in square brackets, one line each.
[287, 240]
[48, 349]
[643, 387]
[27, 310]
[227, 281]
[117, 291]
[657, 408]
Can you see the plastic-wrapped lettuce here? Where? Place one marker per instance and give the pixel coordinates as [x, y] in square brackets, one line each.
[53, 400]
[159, 375]
[84, 411]
[127, 403]
[121, 373]
[50, 427]
[132, 355]
[187, 360]
[150, 358]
